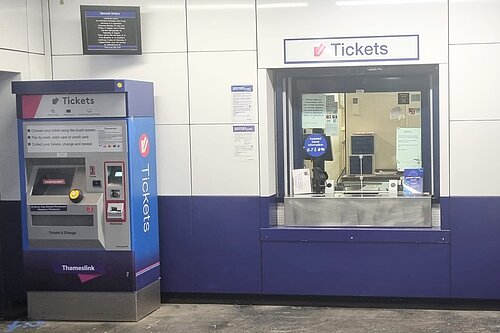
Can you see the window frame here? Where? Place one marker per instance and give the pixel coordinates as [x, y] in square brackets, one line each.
[291, 83]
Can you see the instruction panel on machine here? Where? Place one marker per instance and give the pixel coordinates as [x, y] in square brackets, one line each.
[74, 138]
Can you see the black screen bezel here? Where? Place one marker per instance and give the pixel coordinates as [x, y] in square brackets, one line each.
[87, 51]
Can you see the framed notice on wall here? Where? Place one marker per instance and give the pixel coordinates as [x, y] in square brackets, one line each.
[111, 29]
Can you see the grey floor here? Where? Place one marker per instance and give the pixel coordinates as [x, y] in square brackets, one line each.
[195, 318]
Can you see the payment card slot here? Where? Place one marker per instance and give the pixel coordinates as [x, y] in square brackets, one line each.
[115, 191]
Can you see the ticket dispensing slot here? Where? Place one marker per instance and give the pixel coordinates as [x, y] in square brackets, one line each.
[115, 190]
[115, 211]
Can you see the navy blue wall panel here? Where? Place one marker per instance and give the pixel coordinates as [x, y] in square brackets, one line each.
[356, 269]
[226, 234]
[268, 212]
[445, 212]
[11, 255]
[212, 244]
[176, 244]
[475, 247]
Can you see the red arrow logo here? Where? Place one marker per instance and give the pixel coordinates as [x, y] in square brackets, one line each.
[144, 145]
[318, 50]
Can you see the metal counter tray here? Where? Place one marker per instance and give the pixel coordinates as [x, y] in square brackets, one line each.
[358, 211]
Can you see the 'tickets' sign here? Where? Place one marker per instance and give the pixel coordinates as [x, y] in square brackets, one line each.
[73, 106]
[351, 49]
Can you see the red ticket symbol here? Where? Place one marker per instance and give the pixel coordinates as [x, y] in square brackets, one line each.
[318, 50]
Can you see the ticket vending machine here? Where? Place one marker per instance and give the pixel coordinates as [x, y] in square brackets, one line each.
[89, 200]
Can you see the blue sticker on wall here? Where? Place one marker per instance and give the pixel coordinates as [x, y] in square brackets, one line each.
[315, 145]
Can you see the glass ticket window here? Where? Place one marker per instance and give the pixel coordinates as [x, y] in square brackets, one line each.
[357, 132]
[361, 140]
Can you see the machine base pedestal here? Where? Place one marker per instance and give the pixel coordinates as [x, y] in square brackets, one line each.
[94, 306]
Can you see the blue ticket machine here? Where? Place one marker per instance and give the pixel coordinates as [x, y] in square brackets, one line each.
[89, 199]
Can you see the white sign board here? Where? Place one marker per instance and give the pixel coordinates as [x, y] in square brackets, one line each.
[313, 111]
[244, 142]
[301, 181]
[74, 138]
[242, 103]
[351, 49]
[408, 149]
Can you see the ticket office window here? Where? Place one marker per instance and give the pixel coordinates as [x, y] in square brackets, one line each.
[362, 126]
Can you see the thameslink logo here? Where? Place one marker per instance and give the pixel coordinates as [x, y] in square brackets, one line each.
[84, 268]
[84, 272]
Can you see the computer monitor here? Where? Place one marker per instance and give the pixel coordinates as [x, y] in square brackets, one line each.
[355, 165]
[362, 144]
[111, 29]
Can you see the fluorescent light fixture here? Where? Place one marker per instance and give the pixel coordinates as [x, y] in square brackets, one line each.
[383, 2]
[283, 5]
[161, 7]
[230, 6]
[221, 6]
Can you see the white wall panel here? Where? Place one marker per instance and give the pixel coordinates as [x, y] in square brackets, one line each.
[267, 126]
[168, 71]
[215, 169]
[211, 75]
[20, 22]
[9, 157]
[37, 70]
[171, 89]
[13, 25]
[12, 61]
[444, 132]
[163, 25]
[280, 19]
[474, 73]
[35, 26]
[474, 158]
[219, 25]
[474, 21]
[173, 159]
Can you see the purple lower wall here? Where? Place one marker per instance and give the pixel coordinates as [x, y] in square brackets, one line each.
[225, 245]
[475, 247]
[210, 245]
[11, 256]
